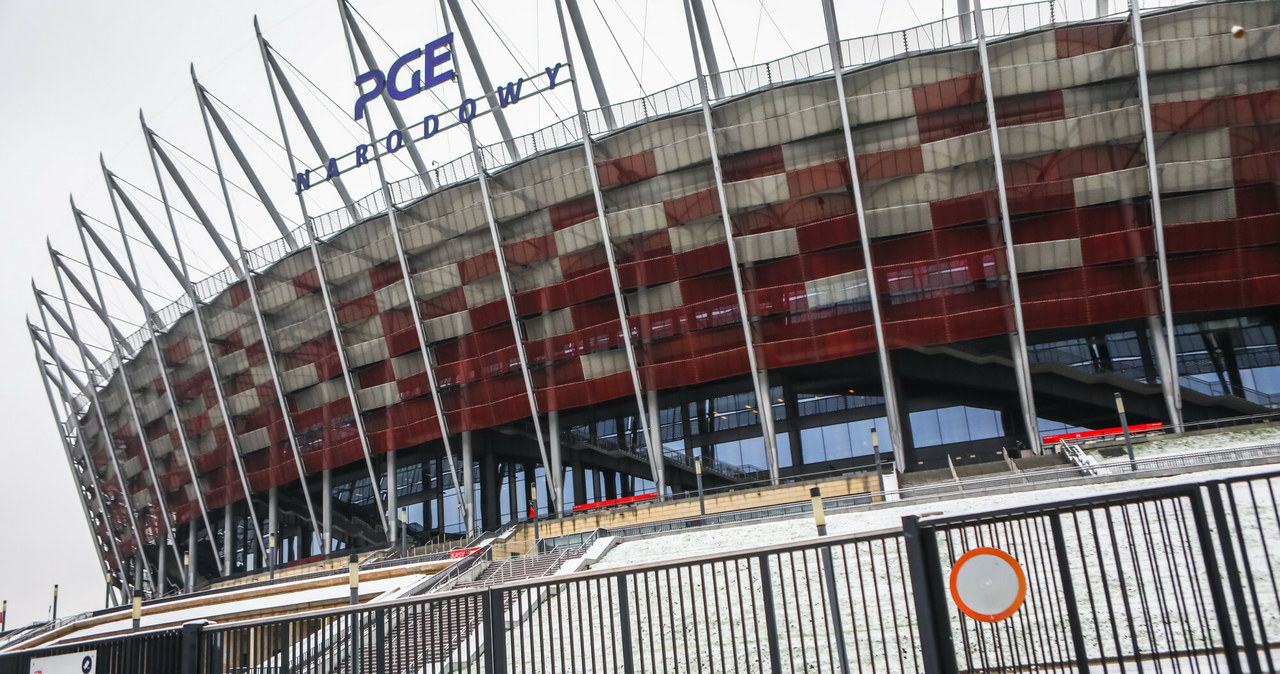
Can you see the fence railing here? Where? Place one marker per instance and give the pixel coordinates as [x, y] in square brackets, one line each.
[1181, 577]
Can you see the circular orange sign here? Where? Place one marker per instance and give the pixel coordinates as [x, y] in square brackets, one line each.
[988, 584]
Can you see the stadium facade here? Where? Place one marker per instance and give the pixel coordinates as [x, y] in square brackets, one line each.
[1119, 232]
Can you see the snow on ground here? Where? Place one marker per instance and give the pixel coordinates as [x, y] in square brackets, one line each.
[241, 601]
[1259, 435]
[698, 542]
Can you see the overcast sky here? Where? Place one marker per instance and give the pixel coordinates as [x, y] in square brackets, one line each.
[77, 73]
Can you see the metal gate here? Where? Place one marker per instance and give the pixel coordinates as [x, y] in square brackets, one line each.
[1170, 579]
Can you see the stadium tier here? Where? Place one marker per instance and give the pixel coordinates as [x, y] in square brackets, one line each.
[957, 302]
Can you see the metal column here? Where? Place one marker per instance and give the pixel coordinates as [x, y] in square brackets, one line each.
[406, 273]
[71, 464]
[1169, 377]
[486, 84]
[1021, 363]
[117, 348]
[103, 429]
[467, 488]
[762, 398]
[180, 272]
[326, 485]
[392, 498]
[882, 351]
[350, 22]
[241, 266]
[153, 326]
[653, 439]
[483, 178]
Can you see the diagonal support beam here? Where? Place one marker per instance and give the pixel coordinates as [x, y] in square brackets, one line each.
[892, 412]
[589, 57]
[153, 326]
[486, 84]
[43, 302]
[482, 176]
[1169, 375]
[104, 431]
[763, 406]
[158, 151]
[139, 429]
[330, 314]
[428, 355]
[243, 271]
[1021, 363]
[45, 378]
[275, 74]
[367, 54]
[652, 436]
[179, 272]
[207, 106]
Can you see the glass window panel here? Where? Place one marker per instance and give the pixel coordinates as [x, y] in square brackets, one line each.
[811, 444]
[753, 453]
[924, 428]
[983, 423]
[836, 439]
[952, 424]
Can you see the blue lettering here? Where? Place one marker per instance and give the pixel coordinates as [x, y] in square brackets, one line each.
[511, 93]
[433, 60]
[430, 125]
[415, 82]
[379, 81]
[552, 74]
[399, 138]
[303, 181]
[362, 155]
[467, 111]
[332, 169]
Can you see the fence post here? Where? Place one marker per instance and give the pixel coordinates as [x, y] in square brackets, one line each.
[191, 647]
[1214, 579]
[380, 631]
[624, 624]
[930, 598]
[1069, 593]
[1237, 579]
[770, 616]
[495, 645]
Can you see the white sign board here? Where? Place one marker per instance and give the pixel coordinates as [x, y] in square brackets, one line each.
[84, 662]
[988, 584]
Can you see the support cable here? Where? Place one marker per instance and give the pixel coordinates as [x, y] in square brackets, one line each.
[732, 58]
[781, 34]
[206, 167]
[618, 44]
[521, 60]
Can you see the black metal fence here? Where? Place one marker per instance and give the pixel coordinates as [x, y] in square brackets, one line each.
[1169, 579]
[150, 653]
[1172, 579]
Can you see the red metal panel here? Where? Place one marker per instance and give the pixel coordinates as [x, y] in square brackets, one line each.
[1077, 40]
[753, 164]
[949, 93]
[627, 169]
[570, 213]
[1210, 113]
